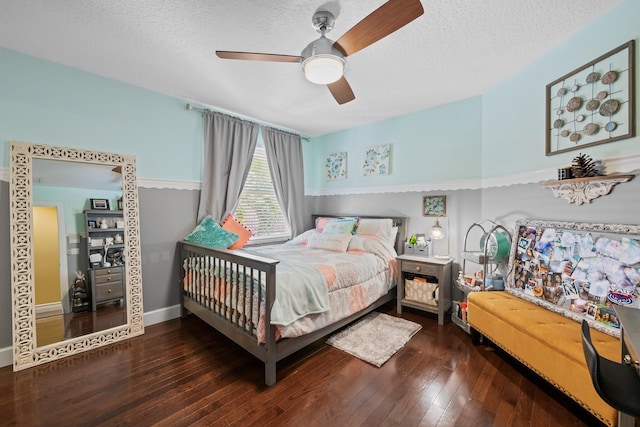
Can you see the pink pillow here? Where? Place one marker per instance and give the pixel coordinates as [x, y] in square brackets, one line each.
[231, 224]
[321, 223]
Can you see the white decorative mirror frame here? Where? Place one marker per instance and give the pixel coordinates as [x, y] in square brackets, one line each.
[25, 351]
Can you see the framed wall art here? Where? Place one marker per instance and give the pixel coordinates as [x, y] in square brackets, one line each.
[376, 161]
[593, 104]
[336, 166]
[99, 204]
[434, 205]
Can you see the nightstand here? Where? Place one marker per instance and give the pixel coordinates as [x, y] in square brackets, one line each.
[434, 270]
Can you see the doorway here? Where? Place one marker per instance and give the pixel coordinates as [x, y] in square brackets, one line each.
[51, 274]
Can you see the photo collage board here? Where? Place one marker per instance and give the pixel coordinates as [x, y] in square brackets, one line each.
[580, 270]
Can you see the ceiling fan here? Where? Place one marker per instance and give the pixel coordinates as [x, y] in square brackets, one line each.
[323, 60]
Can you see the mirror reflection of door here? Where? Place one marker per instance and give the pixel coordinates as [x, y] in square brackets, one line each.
[59, 242]
[48, 265]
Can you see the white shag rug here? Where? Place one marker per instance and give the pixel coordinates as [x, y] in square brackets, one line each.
[375, 338]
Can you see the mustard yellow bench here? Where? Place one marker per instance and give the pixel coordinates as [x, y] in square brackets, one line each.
[546, 342]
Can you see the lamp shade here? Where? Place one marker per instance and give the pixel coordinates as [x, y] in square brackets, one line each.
[323, 69]
[436, 231]
[322, 63]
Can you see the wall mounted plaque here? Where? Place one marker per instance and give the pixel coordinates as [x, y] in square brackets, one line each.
[594, 103]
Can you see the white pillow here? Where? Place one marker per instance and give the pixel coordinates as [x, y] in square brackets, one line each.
[301, 239]
[373, 245]
[394, 235]
[381, 227]
[329, 242]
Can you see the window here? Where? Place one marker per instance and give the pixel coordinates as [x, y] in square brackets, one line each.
[258, 207]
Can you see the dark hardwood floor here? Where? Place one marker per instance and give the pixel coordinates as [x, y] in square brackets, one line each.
[61, 327]
[184, 373]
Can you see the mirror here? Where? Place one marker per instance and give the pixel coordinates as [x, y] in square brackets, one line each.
[63, 244]
[44, 180]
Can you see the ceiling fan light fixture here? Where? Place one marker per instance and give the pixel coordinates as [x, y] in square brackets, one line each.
[323, 60]
[323, 69]
[322, 63]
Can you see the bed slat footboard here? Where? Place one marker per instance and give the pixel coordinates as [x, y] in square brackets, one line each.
[233, 292]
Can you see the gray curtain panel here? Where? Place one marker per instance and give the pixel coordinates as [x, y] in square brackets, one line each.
[229, 144]
[284, 154]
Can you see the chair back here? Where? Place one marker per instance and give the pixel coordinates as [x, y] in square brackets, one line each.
[616, 383]
[591, 355]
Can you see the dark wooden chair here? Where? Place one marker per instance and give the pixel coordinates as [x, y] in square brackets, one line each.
[617, 384]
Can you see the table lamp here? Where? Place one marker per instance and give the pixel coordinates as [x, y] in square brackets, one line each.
[437, 233]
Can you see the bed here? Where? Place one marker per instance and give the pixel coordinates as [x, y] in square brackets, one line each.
[234, 291]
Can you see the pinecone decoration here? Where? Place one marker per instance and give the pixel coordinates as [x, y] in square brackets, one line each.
[583, 167]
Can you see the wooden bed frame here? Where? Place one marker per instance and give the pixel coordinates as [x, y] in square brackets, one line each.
[239, 327]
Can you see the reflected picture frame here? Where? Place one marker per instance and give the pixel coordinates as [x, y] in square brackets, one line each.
[99, 204]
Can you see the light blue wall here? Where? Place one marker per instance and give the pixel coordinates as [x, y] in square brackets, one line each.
[514, 111]
[75, 201]
[500, 133]
[43, 102]
[438, 144]
[52, 104]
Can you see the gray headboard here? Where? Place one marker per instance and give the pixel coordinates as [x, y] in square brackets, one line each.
[398, 221]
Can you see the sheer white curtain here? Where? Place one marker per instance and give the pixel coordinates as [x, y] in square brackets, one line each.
[229, 144]
[284, 155]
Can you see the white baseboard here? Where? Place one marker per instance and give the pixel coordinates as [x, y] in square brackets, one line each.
[161, 315]
[49, 309]
[150, 318]
[6, 356]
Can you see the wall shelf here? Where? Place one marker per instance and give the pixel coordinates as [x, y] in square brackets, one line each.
[581, 190]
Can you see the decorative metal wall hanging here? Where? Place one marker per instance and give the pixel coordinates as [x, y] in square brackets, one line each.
[593, 104]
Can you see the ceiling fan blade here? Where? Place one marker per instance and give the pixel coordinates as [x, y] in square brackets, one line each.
[253, 56]
[341, 91]
[383, 21]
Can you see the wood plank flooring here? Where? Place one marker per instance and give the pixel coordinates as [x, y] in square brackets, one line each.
[183, 373]
[60, 327]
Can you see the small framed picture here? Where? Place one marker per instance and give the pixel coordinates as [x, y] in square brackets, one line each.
[434, 206]
[92, 224]
[100, 204]
[120, 204]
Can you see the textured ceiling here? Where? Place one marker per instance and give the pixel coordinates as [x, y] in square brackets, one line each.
[456, 50]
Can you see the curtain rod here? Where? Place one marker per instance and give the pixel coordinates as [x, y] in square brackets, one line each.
[206, 110]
